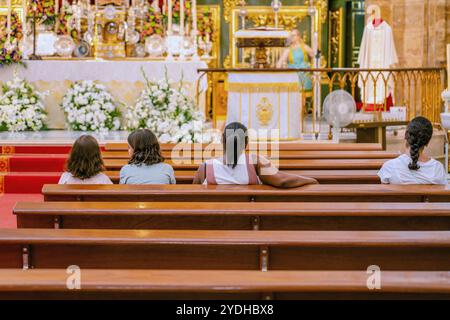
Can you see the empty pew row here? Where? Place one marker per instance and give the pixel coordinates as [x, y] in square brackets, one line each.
[234, 216]
[323, 176]
[283, 164]
[225, 250]
[221, 284]
[189, 154]
[268, 146]
[259, 193]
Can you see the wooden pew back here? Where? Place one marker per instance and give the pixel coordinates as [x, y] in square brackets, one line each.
[234, 216]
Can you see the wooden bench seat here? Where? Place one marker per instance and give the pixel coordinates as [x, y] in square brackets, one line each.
[302, 164]
[233, 216]
[220, 284]
[260, 193]
[225, 250]
[280, 146]
[323, 176]
[289, 154]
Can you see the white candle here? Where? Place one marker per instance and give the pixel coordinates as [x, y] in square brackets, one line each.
[24, 21]
[194, 18]
[182, 17]
[275, 3]
[169, 14]
[448, 65]
[8, 22]
[56, 7]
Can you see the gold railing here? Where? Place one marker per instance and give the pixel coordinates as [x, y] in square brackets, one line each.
[417, 89]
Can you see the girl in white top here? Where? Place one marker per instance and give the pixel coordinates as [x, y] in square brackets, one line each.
[414, 167]
[85, 163]
[236, 167]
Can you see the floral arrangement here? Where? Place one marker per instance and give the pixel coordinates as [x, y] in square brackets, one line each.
[90, 107]
[153, 24]
[10, 52]
[65, 19]
[205, 24]
[167, 111]
[45, 11]
[21, 107]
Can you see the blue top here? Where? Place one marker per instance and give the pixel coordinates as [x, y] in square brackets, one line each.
[160, 173]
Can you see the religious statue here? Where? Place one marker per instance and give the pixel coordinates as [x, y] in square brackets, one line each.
[298, 56]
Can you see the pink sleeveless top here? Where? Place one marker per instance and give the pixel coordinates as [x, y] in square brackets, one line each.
[244, 173]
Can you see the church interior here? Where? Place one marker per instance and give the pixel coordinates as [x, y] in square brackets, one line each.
[235, 149]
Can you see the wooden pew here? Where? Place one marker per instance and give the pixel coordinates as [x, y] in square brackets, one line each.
[260, 193]
[234, 216]
[221, 284]
[280, 146]
[284, 164]
[289, 154]
[225, 250]
[323, 176]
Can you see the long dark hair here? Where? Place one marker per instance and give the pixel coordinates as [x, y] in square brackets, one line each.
[418, 135]
[146, 148]
[235, 140]
[85, 159]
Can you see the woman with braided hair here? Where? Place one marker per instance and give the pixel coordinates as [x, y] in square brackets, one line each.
[414, 167]
[146, 164]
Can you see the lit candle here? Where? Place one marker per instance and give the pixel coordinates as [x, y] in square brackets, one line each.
[8, 22]
[275, 3]
[169, 14]
[182, 17]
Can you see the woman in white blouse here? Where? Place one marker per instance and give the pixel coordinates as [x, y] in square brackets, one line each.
[414, 167]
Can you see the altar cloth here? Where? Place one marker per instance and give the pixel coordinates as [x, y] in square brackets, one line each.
[267, 102]
[123, 79]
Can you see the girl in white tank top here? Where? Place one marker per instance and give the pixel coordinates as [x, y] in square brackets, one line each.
[236, 167]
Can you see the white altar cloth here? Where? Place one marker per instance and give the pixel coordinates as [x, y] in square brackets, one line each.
[266, 101]
[122, 78]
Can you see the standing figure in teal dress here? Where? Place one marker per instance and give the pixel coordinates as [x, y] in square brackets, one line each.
[298, 56]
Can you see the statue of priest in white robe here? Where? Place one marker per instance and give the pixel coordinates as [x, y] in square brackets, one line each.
[377, 52]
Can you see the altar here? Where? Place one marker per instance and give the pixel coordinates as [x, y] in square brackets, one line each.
[266, 101]
[123, 79]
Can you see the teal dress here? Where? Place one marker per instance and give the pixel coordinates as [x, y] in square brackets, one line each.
[298, 59]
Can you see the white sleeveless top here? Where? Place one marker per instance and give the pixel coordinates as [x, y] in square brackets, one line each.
[219, 173]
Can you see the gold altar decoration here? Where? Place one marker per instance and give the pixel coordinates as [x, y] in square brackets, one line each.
[336, 39]
[264, 112]
[263, 16]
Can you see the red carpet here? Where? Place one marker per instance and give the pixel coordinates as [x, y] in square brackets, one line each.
[25, 169]
[8, 201]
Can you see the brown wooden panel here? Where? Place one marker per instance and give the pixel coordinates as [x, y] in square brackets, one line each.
[10, 256]
[146, 257]
[350, 258]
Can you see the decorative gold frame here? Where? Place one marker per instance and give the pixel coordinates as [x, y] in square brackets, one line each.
[336, 38]
[291, 14]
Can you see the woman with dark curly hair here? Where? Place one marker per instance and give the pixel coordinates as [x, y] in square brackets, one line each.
[414, 167]
[146, 164]
[85, 163]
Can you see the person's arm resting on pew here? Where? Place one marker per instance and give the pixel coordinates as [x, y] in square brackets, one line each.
[271, 176]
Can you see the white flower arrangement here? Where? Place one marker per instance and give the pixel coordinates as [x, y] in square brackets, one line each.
[90, 107]
[21, 107]
[166, 110]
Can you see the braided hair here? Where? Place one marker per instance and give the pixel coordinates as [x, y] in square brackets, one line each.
[235, 140]
[418, 135]
[146, 149]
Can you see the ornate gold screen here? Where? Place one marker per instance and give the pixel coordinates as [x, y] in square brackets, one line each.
[290, 17]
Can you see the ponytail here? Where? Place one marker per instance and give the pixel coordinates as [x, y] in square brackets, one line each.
[235, 141]
[418, 135]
